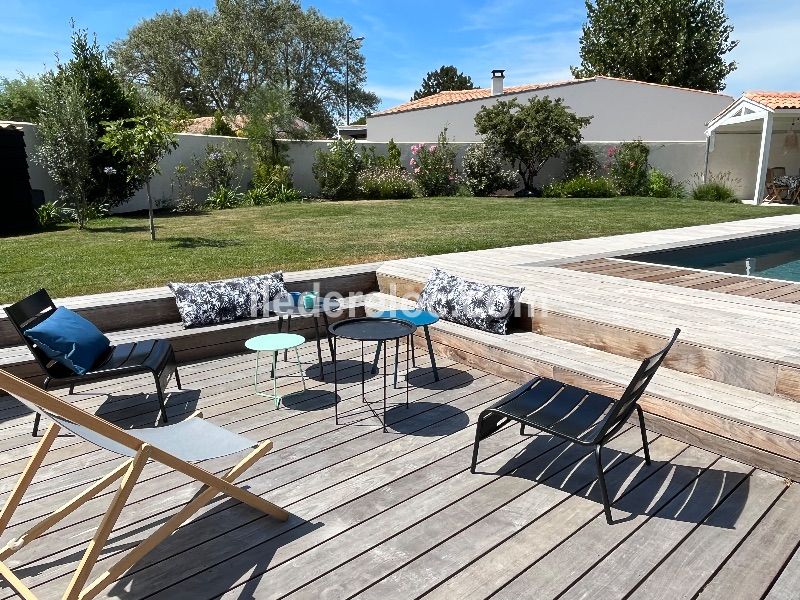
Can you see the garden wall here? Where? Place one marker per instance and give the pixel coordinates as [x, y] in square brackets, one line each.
[685, 160]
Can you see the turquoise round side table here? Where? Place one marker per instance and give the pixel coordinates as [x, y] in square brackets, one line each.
[420, 318]
[275, 343]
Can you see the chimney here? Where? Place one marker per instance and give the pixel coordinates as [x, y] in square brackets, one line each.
[497, 82]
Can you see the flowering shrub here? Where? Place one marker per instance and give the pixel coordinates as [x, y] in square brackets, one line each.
[434, 167]
[581, 160]
[222, 198]
[664, 185]
[337, 170]
[385, 182]
[582, 186]
[484, 172]
[218, 168]
[628, 168]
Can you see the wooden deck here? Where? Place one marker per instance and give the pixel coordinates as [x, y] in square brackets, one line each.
[398, 515]
[738, 285]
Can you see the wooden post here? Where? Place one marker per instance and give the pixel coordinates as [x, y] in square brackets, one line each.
[763, 158]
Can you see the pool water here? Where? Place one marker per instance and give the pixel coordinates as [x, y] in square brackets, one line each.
[776, 255]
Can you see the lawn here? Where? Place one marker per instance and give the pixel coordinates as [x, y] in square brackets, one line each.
[116, 253]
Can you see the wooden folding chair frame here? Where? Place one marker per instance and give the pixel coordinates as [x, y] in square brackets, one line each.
[129, 473]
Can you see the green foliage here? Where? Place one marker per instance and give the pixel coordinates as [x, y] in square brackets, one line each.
[336, 170]
[222, 198]
[271, 118]
[20, 98]
[484, 172]
[382, 182]
[271, 176]
[664, 185]
[271, 185]
[50, 214]
[581, 160]
[445, 78]
[715, 191]
[219, 167]
[628, 168]
[285, 193]
[434, 167]
[581, 186]
[528, 135]
[393, 155]
[141, 142]
[214, 59]
[184, 190]
[672, 42]
[66, 142]
[219, 126]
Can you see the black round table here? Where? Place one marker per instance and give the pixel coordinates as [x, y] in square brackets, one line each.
[292, 306]
[366, 329]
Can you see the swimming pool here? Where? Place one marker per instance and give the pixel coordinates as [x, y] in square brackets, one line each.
[775, 255]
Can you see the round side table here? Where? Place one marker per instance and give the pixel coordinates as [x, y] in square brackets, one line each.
[275, 343]
[420, 318]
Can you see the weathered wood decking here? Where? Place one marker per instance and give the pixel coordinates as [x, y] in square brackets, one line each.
[398, 515]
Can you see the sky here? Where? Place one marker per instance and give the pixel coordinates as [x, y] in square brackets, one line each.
[533, 40]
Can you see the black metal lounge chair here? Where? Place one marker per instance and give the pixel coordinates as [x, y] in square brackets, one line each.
[574, 414]
[148, 356]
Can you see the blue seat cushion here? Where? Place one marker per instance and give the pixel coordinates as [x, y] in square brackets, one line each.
[70, 339]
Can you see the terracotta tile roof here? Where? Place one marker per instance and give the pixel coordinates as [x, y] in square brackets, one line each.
[775, 100]
[443, 98]
[202, 124]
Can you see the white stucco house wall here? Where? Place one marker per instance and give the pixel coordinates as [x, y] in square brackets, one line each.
[621, 110]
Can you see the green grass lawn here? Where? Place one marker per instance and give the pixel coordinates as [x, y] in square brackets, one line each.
[116, 253]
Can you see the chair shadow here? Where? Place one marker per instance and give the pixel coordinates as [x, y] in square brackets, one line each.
[449, 378]
[449, 419]
[142, 409]
[646, 489]
[190, 242]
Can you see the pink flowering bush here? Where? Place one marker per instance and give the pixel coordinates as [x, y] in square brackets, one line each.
[434, 167]
[383, 182]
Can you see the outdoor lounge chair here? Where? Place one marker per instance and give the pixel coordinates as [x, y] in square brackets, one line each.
[149, 356]
[574, 414]
[775, 192]
[176, 446]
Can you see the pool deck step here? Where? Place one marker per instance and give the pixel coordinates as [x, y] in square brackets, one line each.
[759, 429]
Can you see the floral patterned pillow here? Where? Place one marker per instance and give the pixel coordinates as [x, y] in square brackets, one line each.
[477, 305]
[213, 302]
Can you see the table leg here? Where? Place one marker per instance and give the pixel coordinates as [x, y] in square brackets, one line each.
[384, 391]
[327, 331]
[430, 353]
[275, 381]
[335, 384]
[363, 394]
[300, 366]
[288, 327]
[413, 355]
[319, 346]
[408, 342]
[397, 360]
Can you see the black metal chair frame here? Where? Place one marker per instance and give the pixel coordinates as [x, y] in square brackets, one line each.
[117, 361]
[574, 414]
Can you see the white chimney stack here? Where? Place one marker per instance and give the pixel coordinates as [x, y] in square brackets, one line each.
[497, 82]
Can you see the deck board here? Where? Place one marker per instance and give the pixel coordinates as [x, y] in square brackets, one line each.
[399, 515]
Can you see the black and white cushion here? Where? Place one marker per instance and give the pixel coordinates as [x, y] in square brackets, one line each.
[213, 302]
[477, 305]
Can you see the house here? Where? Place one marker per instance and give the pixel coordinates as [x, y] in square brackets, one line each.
[755, 133]
[621, 110]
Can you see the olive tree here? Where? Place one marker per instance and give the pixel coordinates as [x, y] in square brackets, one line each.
[528, 135]
[142, 142]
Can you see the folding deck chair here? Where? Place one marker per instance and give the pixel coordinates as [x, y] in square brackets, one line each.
[175, 446]
[573, 414]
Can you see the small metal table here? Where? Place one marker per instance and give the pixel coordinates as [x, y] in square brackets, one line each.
[275, 342]
[420, 318]
[292, 306]
[366, 329]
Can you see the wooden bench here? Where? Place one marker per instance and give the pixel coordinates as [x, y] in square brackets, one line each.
[760, 429]
[152, 313]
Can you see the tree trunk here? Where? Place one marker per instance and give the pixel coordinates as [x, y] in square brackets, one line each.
[150, 211]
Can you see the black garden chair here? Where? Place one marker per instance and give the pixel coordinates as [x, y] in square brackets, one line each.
[573, 414]
[148, 356]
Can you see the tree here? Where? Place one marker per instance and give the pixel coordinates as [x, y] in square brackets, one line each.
[441, 80]
[270, 117]
[142, 142]
[671, 42]
[528, 135]
[66, 141]
[214, 60]
[20, 98]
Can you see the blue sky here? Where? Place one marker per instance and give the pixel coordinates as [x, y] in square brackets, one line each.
[534, 40]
